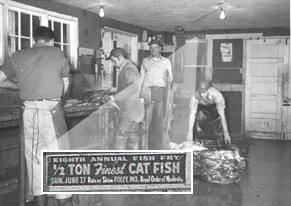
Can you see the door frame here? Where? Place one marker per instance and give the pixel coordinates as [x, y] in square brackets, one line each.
[285, 65]
[133, 42]
[230, 87]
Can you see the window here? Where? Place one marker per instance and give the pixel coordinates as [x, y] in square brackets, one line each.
[1, 33]
[22, 20]
[62, 35]
[20, 29]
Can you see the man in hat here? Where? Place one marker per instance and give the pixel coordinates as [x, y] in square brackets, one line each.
[157, 74]
[207, 112]
[127, 98]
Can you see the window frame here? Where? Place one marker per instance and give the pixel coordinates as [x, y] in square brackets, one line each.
[46, 15]
[72, 32]
[2, 49]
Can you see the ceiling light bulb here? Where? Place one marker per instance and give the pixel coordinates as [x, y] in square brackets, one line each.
[101, 13]
[222, 14]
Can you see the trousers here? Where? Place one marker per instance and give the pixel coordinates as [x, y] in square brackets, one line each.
[127, 136]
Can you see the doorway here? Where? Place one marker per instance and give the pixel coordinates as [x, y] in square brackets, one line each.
[111, 39]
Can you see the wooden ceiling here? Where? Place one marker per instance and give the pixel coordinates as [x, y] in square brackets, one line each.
[192, 15]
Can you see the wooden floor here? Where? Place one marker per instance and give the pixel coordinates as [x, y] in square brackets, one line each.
[266, 182]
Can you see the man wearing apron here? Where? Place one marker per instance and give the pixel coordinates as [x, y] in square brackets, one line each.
[41, 74]
[207, 112]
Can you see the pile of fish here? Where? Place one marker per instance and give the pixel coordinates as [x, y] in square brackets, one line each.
[94, 96]
[216, 166]
[220, 166]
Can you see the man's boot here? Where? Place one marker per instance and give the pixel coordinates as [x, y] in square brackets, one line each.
[40, 200]
[65, 202]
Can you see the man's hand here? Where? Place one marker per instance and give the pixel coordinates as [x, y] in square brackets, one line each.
[189, 136]
[227, 138]
[107, 98]
[111, 91]
[6, 83]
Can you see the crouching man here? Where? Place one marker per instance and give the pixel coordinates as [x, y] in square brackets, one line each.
[207, 112]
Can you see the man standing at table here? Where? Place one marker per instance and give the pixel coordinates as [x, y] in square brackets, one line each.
[127, 98]
[41, 74]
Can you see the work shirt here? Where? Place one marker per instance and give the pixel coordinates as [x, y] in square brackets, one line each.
[128, 89]
[214, 97]
[129, 82]
[36, 75]
[153, 71]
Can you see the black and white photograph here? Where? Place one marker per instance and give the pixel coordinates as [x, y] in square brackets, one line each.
[146, 102]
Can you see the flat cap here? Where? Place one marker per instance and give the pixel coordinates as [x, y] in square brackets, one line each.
[116, 52]
[155, 41]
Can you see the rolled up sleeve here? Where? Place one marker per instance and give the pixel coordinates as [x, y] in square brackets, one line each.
[193, 103]
[220, 103]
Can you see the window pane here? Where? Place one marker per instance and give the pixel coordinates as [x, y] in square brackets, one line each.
[57, 30]
[13, 22]
[35, 22]
[50, 24]
[25, 43]
[25, 25]
[14, 44]
[66, 33]
[67, 51]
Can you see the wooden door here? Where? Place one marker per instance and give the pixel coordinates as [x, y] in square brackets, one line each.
[264, 69]
[286, 113]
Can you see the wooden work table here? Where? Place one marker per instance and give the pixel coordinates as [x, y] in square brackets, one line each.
[76, 116]
[9, 116]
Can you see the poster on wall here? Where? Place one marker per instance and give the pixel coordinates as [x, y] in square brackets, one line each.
[227, 53]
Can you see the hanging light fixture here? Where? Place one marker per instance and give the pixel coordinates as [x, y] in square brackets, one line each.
[222, 7]
[101, 12]
[222, 13]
